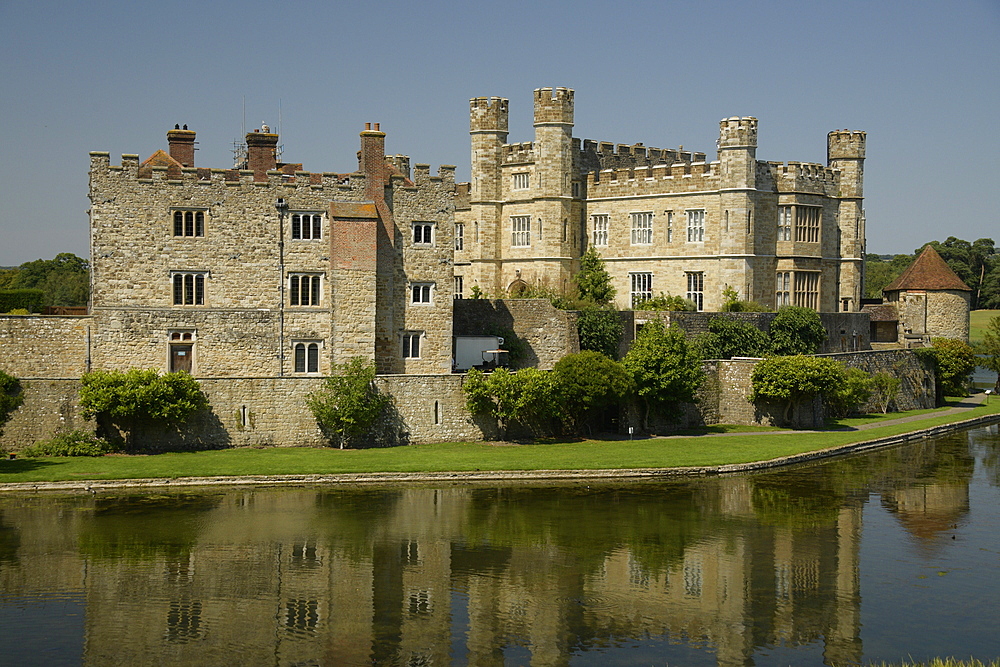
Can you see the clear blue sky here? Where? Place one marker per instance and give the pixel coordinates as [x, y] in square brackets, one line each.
[922, 78]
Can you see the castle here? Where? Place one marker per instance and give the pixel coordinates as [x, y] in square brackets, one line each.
[663, 220]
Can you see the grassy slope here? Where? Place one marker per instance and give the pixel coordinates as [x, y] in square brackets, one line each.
[978, 319]
[584, 455]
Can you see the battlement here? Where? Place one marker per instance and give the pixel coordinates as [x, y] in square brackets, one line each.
[845, 144]
[738, 132]
[602, 155]
[488, 114]
[807, 177]
[654, 179]
[518, 153]
[553, 106]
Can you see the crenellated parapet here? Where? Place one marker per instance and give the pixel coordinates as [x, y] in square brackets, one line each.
[488, 114]
[846, 145]
[679, 177]
[553, 106]
[602, 155]
[521, 153]
[803, 177]
[738, 132]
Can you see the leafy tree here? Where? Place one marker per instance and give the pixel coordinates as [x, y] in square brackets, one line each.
[665, 369]
[593, 283]
[884, 388]
[10, 397]
[795, 380]
[600, 330]
[7, 278]
[728, 338]
[525, 397]
[731, 303]
[136, 398]
[587, 382]
[65, 279]
[955, 361]
[348, 405]
[990, 347]
[796, 330]
[853, 393]
[879, 272]
[665, 302]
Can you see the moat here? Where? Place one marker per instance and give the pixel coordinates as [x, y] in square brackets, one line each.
[888, 556]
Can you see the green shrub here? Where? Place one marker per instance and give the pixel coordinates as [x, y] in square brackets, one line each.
[10, 397]
[74, 443]
[586, 383]
[796, 330]
[600, 330]
[665, 302]
[955, 362]
[728, 338]
[525, 397]
[795, 380]
[348, 405]
[664, 367]
[853, 394]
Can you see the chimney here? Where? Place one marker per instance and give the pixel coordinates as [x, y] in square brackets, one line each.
[181, 143]
[262, 148]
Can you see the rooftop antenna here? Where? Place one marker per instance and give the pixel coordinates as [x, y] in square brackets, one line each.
[240, 159]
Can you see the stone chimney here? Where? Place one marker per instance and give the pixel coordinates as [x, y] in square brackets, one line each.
[262, 151]
[181, 143]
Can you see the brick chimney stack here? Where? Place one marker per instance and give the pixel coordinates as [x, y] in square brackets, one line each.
[181, 143]
[262, 152]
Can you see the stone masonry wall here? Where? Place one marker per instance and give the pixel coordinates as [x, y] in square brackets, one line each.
[50, 406]
[44, 346]
[550, 333]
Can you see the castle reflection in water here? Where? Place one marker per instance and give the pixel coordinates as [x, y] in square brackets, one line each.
[428, 576]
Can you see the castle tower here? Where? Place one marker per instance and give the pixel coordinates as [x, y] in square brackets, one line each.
[181, 143]
[738, 224]
[846, 153]
[488, 127]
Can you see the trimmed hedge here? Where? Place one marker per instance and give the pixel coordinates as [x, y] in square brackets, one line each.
[29, 299]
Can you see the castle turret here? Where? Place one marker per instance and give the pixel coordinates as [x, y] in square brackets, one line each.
[181, 143]
[553, 141]
[262, 152]
[846, 153]
[738, 181]
[738, 151]
[488, 127]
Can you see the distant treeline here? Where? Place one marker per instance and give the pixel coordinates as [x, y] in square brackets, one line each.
[63, 281]
[976, 263]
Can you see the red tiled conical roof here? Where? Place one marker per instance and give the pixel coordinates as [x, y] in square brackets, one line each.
[928, 272]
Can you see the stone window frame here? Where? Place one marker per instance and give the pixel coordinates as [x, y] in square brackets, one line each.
[786, 214]
[600, 223]
[459, 287]
[422, 293]
[782, 289]
[808, 221]
[181, 336]
[306, 354]
[642, 227]
[669, 214]
[520, 231]
[459, 236]
[188, 287]
[805, 289]
[641, 286]
[308, 285]
[695, 225]
[188, 221]
[411, 341]
[423, 233]
[696, 288]
[313, 231]
[520, 181]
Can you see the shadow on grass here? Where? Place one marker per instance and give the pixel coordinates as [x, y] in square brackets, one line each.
[13, 467]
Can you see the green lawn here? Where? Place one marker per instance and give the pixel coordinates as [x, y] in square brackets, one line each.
[978, 319]
[696, 450]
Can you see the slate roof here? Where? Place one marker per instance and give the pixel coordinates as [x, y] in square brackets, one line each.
[928, 272]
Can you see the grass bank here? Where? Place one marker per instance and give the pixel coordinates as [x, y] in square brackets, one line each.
[714, 446]
[978, 321]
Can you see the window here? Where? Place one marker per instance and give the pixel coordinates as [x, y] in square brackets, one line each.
[670, 226]
[520, 226]
[642, 228]
[696, 225]
[806, 291]
[304, 290]
[306, 356]
[521, 181]
[784, 223]
[189, 223]
[807, 223]
[423, 233]
[459, 236]
[696, 288]
[600, 224]
[189, 289]
[783, 289]
[307, 226]
[576, 189]
[642, 287]
[458, 286]
[421, 292]
[411, 344]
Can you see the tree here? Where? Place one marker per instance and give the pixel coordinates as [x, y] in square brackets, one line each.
[796, 330]
[585, 383]
[10, 397]
[600, 330]
[884, 388]
[65, 279]
[136, 398]
[728, 338]
[955, 362]
[879, 272]
[348, 405]
[665, 369]
[593, 283]
[525, 397]
[853, 393]
[731, 303]
[795, 380]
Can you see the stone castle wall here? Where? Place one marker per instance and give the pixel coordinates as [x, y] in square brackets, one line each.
[45, 346]
[550, 333]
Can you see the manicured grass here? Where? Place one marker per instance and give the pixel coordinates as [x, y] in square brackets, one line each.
[941, 662]
[978, 319]
[671, 452]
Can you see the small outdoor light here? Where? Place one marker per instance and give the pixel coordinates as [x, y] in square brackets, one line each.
[281, 205]
[988, 392]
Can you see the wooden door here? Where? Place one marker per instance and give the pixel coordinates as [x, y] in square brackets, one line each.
[180, 358]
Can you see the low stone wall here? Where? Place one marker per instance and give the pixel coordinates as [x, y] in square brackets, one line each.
[917, 388]
[44, 346]
[550, 333]
[49, 407]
